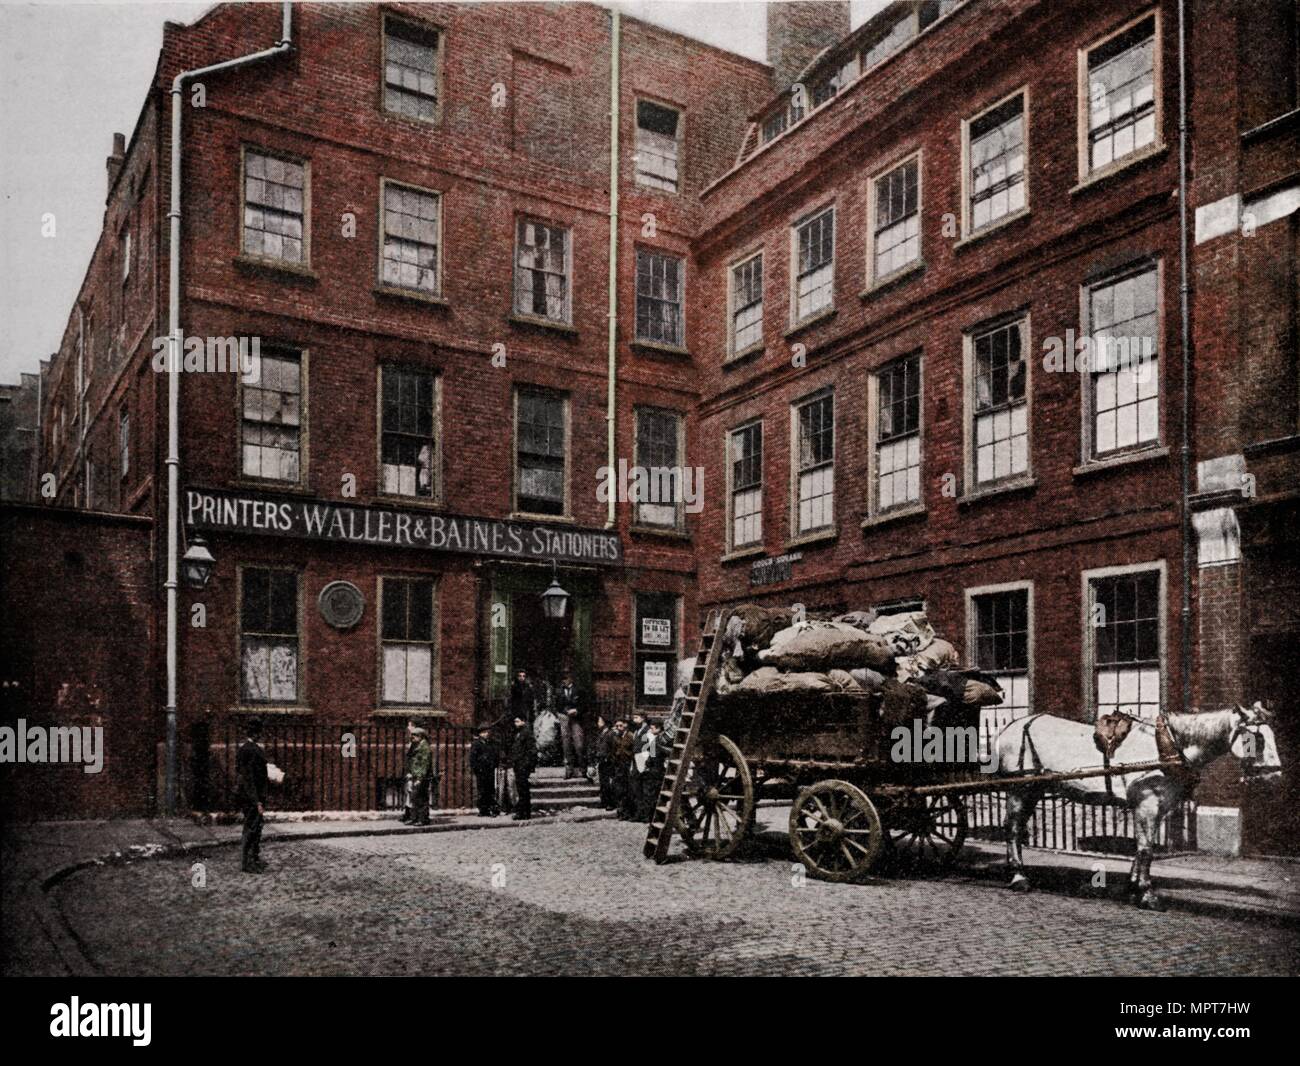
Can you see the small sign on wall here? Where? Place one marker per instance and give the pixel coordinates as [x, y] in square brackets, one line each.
[654, 679]
[656, 632]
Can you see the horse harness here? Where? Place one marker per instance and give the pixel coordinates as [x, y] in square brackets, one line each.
[1111, 730]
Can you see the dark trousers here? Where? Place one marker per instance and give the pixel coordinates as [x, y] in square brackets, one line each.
[251, 838]
[630, 801]
[651, 781]
[487, 793]
[524, 801]
[605, 770]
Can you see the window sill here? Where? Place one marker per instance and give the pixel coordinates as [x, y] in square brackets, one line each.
[816, 536]
[410, 120]
[744, 553]
[277, 267]
[1110, 170]
[658, 348]
[897, 277]
[1020, 484]
[278, 710]
[424, 711]
[660, 531]
[422, 502]
[1127, 459]
[808, 323]
[528, 516]
[535, 322]
[295, 487]
[991, 228]
[884, 518]
[745, 355]
[413, 295]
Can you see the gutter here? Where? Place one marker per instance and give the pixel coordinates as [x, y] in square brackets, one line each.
[175, 336]
[1184, 306]
[615, 117]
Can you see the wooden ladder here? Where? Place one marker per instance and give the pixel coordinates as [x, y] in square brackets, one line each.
[660, 833]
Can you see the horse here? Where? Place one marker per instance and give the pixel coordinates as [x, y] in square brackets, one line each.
[1044, 743]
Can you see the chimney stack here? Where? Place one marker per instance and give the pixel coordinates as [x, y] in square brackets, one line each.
[797, 31]
[116, 160]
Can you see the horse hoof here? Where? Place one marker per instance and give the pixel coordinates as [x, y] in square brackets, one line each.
[1019, 883]
[1151, 902]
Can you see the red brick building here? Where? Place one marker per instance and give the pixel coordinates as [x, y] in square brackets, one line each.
[851, 288]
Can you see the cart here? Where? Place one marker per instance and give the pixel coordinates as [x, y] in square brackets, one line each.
[829, 752]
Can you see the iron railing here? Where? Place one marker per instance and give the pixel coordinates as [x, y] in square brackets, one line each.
[328, 767]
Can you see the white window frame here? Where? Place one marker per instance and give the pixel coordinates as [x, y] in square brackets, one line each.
[1086, 379]
[991, 714]
[875, 278]
[303, 419]
[516, 512]
[797, 533]
[967, 222]
[420, 26]
[303, 264]
[757, 544]
[680, 260]
[1089, 636]
[566, 318]
[1084, 102]
[300, 680]
[403, 290]
[678, 524]
[434, 644]
[679, 142]
[436, 470]
[973, 486]
[732, 349]
[874, 509]
[805, 219]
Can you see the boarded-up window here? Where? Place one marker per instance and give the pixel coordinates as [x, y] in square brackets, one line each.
[544, 113]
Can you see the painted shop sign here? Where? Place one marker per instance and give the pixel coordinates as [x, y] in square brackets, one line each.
[775, 570]
[236, 512]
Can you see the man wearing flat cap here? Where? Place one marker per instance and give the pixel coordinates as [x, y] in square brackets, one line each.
[419, 766]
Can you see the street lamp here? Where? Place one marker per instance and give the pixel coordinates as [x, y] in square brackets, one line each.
[197, 563]
[554, 600]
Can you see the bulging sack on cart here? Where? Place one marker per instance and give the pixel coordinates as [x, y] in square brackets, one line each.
[937, 655]
[860, 619]
[758, 625]
[769, 681]
[907, 633]
[901, 702]
[822, 646]
[869, 680]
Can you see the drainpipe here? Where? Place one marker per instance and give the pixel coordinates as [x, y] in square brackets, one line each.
[1184, 302]
[614, 119]
[174, 344]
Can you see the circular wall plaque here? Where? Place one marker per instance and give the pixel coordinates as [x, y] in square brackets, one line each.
[341, 604]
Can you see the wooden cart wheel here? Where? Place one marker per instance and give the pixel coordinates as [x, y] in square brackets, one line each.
[928, 829]
[717, 807]
[835, 831]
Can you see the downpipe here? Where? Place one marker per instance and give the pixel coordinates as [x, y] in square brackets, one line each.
[175, 337]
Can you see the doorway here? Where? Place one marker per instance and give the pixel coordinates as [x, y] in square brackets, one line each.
[1270, 815]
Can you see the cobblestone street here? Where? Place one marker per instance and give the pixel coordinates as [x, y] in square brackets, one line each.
[578, 899]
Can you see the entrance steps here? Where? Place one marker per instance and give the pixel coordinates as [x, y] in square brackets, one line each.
[551, 792]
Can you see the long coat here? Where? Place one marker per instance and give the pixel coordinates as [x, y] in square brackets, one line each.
[523, 752]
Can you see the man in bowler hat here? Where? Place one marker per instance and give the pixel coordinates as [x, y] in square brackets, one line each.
[251, 778]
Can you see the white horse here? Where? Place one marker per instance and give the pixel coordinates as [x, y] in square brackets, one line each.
[1044, 743]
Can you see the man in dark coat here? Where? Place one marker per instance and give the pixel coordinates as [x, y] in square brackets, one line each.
[652, 777]
[630, 807]
[523, 760]
[605, 762]
[621, 768]
[483, 762]
[573, 733]
[523, 697]
[250, 774]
